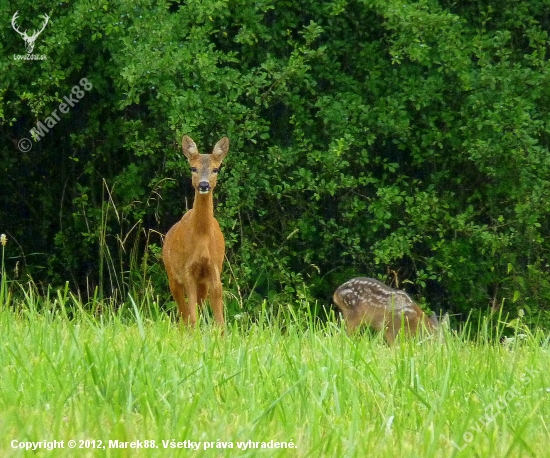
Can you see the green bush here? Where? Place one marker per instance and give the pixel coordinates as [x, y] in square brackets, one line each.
[403, 140]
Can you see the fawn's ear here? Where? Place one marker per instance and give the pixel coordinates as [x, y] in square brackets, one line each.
[189, 148]
[221, 149]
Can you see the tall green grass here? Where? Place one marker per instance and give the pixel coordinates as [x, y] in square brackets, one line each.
[131, 373]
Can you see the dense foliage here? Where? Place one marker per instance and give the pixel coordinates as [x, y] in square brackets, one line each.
[404, 140]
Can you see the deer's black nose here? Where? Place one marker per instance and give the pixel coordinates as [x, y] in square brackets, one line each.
[204, 187]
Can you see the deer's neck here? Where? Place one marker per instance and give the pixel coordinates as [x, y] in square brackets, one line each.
[203, 210]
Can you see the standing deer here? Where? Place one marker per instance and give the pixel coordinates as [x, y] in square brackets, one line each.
[368, 301]
[194, 247]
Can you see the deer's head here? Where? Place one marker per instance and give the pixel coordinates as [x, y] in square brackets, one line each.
[204, 167]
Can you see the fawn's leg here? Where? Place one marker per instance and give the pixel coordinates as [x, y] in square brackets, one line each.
[390, 334]
[393, 325]
[353, 321]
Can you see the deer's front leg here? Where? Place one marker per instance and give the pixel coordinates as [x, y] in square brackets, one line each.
[216, 301]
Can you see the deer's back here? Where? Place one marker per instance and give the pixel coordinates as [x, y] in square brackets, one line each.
[362, 292]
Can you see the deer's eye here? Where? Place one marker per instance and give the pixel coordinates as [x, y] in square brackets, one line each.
[215, 170]
[194, 169]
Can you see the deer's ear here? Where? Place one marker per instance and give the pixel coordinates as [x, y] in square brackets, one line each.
[221, 149]
[189, 148]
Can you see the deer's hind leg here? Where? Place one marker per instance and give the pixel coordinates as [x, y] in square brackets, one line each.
[202, 293]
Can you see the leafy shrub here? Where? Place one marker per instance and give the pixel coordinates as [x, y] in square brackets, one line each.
[402, 140]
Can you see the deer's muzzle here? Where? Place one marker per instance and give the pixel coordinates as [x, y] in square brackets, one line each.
[204, 187]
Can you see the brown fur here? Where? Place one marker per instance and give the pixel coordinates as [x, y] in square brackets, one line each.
[370, 302]
[194, 248]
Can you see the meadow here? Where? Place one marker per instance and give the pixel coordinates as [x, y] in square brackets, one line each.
[111, 379]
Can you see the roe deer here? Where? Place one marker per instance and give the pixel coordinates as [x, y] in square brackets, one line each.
[194, 247]
[368, 301]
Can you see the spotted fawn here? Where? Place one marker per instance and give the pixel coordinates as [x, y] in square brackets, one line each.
[366, 301]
